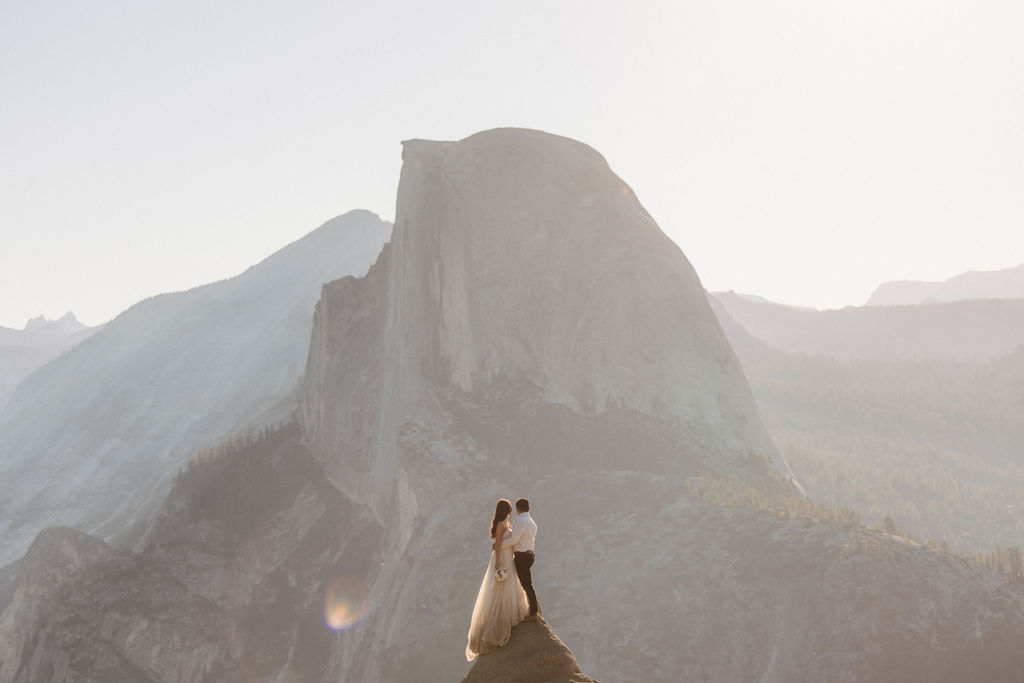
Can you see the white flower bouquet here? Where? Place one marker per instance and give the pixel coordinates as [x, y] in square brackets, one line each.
[500, 574]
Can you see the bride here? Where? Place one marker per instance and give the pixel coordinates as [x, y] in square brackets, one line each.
[501, 602]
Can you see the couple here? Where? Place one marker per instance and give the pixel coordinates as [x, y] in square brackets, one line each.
[506, 595]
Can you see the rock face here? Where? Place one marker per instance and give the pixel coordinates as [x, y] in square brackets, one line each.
[521, 269]
[230, 587]
[82, 612]
[56, 555]
[993, 284]
[534, 653]
[528, 320]
[93, 439]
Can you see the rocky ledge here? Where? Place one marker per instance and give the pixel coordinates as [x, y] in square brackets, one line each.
[533, 655]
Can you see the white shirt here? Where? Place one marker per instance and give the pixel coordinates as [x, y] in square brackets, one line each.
[523, 534]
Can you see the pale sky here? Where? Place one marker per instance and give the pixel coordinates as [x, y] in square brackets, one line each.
[803, 151]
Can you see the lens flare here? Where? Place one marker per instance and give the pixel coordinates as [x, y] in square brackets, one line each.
[347, 603]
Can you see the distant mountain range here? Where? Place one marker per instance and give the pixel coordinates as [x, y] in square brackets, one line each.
[933, 444]
[66, 324]
[995, 284]
[23, 351]
[93, 438]
[976, 329]
[529, 331]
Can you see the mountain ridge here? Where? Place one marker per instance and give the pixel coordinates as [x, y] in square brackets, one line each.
[173, 373]
[66, 324]
[1007, 283]
[978, 329]
[928, 443]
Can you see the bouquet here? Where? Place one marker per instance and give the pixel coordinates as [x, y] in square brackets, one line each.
[500, 574]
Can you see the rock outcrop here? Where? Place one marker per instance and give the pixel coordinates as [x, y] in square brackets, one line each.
[83, 612]
[54, 557]
[534, 653]
[230, 587]
[92, 439]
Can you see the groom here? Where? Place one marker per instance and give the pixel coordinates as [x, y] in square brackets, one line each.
[524, 534]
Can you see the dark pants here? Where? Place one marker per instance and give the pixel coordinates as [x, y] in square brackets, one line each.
[523, 563]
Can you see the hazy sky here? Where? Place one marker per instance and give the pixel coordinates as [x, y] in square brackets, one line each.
[803, 151]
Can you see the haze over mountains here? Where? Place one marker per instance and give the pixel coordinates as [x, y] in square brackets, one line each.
[528, 331]
[997, 284]
[932, 443]
[93, 439]
[967, 330]
[23, 351]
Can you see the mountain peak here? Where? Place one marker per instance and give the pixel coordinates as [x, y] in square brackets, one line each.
[520, 259]
[513, 143]
[67, 324]
[38, 321]
[547, 216]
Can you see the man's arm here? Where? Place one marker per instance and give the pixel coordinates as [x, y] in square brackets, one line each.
[518, 527]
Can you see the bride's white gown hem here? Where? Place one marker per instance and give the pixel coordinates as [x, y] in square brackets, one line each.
[499, 607]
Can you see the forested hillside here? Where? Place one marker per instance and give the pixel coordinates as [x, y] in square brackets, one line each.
[935, 446]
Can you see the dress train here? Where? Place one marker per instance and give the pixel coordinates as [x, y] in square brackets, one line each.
[499, 607]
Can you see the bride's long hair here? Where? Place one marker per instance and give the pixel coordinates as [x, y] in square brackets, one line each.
[503, 510]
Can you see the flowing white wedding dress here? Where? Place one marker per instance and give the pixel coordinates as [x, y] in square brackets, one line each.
[500, 605]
